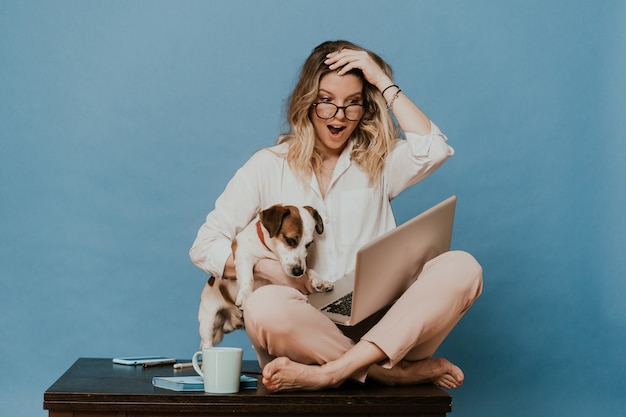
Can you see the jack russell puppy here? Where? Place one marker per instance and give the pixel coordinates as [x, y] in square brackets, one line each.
[280, 232]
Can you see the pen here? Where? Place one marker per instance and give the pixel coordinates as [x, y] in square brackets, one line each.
[156, 363]
[185, 365]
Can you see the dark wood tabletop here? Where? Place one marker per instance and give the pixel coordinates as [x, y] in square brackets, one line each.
[98, 387]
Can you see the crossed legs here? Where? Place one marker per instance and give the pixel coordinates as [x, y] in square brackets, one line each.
[299, 348]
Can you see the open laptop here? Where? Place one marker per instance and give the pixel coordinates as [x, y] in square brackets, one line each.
[388, 265]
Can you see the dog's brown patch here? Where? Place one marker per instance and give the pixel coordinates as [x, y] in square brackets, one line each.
[285, 220]
[226, 321]
[292, 226]
[319, 223]
[226, 295]
[233, 247]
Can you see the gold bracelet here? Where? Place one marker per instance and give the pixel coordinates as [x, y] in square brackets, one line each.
[395, 96]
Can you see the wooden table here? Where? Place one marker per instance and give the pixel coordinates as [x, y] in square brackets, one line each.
[97, 387]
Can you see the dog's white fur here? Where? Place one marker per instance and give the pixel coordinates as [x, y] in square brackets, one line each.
[287, 231]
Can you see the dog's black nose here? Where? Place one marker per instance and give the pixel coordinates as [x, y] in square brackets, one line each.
[297, 271]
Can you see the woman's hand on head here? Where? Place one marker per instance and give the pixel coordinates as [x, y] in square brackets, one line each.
[347, 60]
[272, 271]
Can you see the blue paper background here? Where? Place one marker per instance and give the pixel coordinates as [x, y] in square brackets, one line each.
[122, 121]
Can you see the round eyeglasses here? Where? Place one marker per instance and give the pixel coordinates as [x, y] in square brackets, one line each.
[353, 112]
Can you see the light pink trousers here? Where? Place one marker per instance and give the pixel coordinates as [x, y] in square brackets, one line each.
[280, 321]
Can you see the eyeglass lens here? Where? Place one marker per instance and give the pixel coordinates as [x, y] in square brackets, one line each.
[352, 112]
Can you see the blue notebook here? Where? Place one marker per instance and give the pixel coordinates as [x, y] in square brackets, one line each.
[195, 382]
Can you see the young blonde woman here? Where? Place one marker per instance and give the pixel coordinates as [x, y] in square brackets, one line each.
[343, 156]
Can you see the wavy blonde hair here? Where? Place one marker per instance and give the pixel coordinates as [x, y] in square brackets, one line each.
[374, 136]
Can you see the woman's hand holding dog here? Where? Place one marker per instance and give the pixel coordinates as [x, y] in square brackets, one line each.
[271, 270]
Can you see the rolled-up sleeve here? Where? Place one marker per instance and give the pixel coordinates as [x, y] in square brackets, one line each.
[413, 159]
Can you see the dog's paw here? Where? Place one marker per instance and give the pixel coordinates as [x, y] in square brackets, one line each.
[320, 285]
[323, 286]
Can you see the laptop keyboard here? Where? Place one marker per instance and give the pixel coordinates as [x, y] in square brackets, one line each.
[342, 306]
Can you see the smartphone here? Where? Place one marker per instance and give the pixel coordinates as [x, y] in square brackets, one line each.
[144, 360]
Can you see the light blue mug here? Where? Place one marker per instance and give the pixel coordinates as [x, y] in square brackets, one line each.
[220, 369]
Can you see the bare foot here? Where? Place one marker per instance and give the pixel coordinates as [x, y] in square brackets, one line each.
[439, 371]
[283, 374]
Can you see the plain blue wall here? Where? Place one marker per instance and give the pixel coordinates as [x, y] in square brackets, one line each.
[121, 122]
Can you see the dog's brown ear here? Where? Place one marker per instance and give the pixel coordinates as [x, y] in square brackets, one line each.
[319, 223]
[272, 218]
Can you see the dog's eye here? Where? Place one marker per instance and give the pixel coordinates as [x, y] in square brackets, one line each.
[291, 241]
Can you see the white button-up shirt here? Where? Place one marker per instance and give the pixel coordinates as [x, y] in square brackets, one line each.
[354, 211]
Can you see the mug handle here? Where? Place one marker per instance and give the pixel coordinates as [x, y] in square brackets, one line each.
[195, 364]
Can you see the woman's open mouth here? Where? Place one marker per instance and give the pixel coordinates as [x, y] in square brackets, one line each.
[336, 130]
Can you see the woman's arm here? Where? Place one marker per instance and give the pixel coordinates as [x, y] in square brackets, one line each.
[234, 209]
[409, 116]
[425, 148]
[271, 270]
